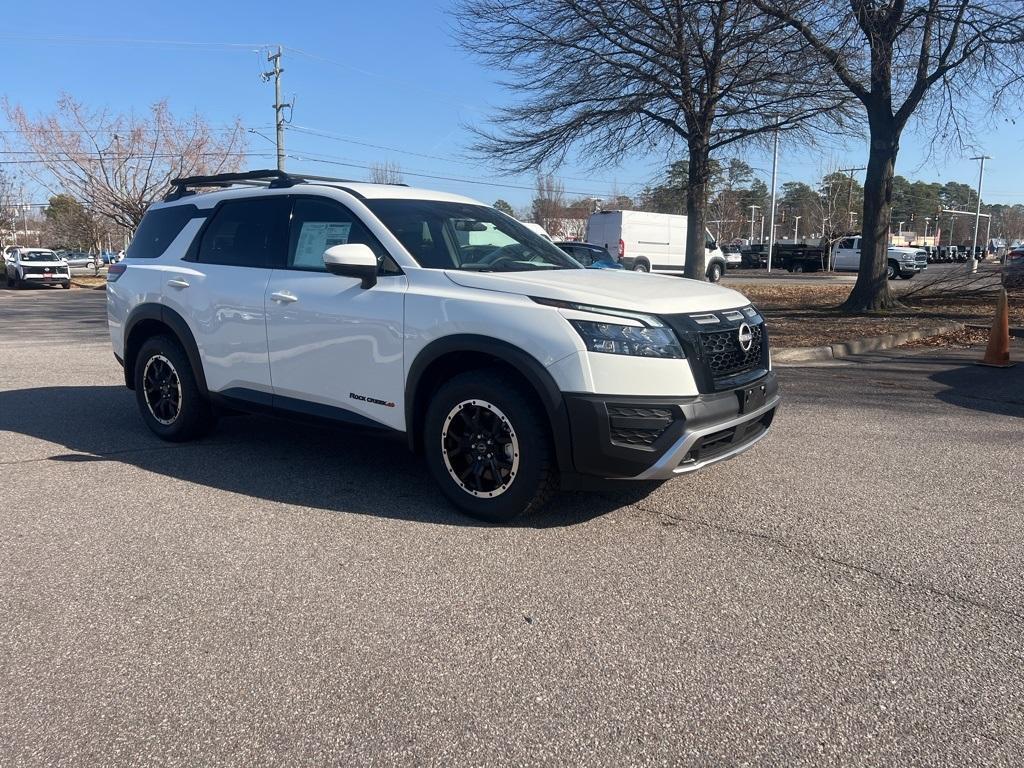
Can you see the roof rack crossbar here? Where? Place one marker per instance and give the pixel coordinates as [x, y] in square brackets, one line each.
[275, 179]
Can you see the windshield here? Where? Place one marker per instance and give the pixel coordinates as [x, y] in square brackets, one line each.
[39, 256]
[476, 238]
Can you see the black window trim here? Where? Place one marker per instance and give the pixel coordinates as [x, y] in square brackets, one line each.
[192, 254]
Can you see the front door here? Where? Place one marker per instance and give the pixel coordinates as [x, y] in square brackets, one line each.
[336, 349]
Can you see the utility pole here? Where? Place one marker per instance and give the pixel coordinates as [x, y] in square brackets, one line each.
[775, 178]
[279, 108]
[972, 262]
[796, 228]
[927, 221]
[752, 209]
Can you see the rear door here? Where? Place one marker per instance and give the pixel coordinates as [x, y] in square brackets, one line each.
[336, 349]
[220, 289]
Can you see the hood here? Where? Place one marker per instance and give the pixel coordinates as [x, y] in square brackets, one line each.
[905, 249]
[613, 288]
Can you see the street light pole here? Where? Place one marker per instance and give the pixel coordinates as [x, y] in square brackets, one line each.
[775, 177]
[972, 262]
[796, 228]
[752, 209]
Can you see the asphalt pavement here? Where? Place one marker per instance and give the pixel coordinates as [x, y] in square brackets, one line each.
[848, 592]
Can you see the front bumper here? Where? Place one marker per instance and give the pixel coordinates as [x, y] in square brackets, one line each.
[913, 266]
[653, 438]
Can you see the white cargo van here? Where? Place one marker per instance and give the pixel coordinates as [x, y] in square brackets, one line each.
[650, 242]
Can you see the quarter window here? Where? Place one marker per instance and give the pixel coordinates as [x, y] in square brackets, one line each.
[247, 233]
[158, 229]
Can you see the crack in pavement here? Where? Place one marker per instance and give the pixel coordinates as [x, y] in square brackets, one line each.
[697, 525]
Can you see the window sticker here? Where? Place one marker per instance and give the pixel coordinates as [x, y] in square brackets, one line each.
[315, 237]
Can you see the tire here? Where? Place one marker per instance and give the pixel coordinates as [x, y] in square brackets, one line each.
[66, 285]
[798, 268]
[184, 417]
[525, 477]
[891, 270]
[715, 272]
[641, 266]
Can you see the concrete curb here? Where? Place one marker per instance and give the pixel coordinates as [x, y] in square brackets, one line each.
[1017, 333]
[796, 355]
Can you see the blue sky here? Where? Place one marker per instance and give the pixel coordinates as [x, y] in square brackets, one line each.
[385, 73]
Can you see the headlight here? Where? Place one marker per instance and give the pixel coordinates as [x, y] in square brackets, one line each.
[615, 339]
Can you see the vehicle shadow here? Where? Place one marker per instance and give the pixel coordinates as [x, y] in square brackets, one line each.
[309, 465]
[993, 390]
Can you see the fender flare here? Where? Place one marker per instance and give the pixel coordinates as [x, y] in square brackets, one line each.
[176, 323]
[526, 364]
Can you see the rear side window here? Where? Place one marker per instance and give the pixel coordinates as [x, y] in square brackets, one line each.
[247, 233]
[158, 229]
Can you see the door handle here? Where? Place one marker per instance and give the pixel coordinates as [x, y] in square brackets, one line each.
[285, 297]
[177, 282]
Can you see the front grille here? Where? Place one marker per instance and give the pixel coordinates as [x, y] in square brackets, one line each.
[43, 270]
[724, 355]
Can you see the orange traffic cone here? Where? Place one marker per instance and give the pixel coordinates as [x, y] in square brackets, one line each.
[997, 354]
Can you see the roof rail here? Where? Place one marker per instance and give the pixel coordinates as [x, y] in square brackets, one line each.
[272, 178]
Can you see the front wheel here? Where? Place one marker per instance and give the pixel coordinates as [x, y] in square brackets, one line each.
[892, 271]
[488, 447]
[715, 272]
[167, 394]
[66, 285]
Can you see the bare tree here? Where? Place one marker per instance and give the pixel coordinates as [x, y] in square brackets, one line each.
[897, 57]
[114, 164]
[549, 203]
[387, 172]
[8, 206]
[608, 78]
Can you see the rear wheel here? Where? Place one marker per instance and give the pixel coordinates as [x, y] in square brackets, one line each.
[798, 268]
[641, 266]
[488, 447]
[167, 394]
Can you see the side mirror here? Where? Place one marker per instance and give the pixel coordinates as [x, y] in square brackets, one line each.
[352, 260]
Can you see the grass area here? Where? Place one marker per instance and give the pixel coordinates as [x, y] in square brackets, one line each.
[807, 315]
[88, 281]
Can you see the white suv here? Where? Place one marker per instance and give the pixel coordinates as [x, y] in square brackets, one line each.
[513, 370]
[36, 266]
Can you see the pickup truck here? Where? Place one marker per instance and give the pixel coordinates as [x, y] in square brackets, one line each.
[903, 262]
[800, 257]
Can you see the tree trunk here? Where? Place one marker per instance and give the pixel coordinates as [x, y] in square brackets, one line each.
[699, 174]
[871, 291]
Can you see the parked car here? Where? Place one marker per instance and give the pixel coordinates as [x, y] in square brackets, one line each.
[733, 257]
[508, 367]
[36, 266]
[651, 242]
[902, 262]
[591, 256]
[79, 259]
[1013, 269]
[538, 229]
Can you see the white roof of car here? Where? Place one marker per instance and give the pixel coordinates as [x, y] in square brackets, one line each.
[364, 190]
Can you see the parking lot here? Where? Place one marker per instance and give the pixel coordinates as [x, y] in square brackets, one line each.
[850, 591]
